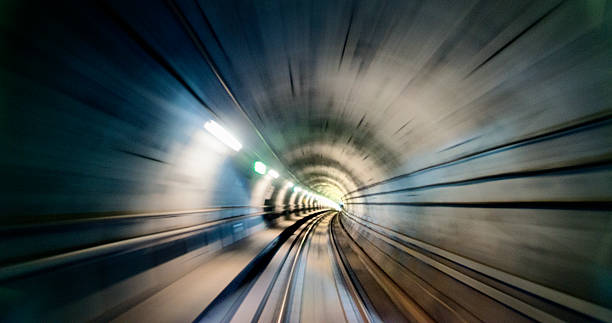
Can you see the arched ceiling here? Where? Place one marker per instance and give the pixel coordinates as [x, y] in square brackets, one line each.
[344, 94]
[348, 93]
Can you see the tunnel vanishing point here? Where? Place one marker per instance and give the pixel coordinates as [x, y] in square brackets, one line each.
[306, 161]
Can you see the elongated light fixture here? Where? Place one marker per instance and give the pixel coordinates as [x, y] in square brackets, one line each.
[220, 133]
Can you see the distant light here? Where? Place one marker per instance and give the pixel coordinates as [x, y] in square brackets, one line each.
[297, 189]
[273, 173]
[289, 184]
[259, 167]
[329, 203]
[225, 137]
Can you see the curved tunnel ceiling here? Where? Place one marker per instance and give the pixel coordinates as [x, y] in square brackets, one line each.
[344, 94]
[348, 94]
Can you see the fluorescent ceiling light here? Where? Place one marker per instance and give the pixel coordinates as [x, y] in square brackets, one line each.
[225, 137]
[290, 184]
[273, 173]
[259, 167]
[297, 189]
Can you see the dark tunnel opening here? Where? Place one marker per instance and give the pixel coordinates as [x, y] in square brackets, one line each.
[313, 161]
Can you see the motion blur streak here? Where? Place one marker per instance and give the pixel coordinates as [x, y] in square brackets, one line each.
[306, 160]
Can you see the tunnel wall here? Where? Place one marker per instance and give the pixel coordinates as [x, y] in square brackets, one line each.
[105, 114]
[114, 140]
[524, 196]
[112, 189]
[118, 201]
[536, 208]
[532, 211]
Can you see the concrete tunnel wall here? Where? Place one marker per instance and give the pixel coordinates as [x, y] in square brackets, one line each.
[528, 194]
[105, 150]
[102, 114]
[101, 145]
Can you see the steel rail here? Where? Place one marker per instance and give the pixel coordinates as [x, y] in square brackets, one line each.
[342, 269]
[277, 273]
[282, 316]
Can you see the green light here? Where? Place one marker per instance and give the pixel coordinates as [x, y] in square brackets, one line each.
[259, 167]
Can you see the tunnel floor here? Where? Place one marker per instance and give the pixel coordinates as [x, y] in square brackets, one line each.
[308, 267]
[308, 277]
[305, 280]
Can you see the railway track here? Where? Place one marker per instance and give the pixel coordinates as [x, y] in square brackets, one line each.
[305, 280]
[318, 273]
[332, 268]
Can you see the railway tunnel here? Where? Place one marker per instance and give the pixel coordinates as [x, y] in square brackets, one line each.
[306, 161]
